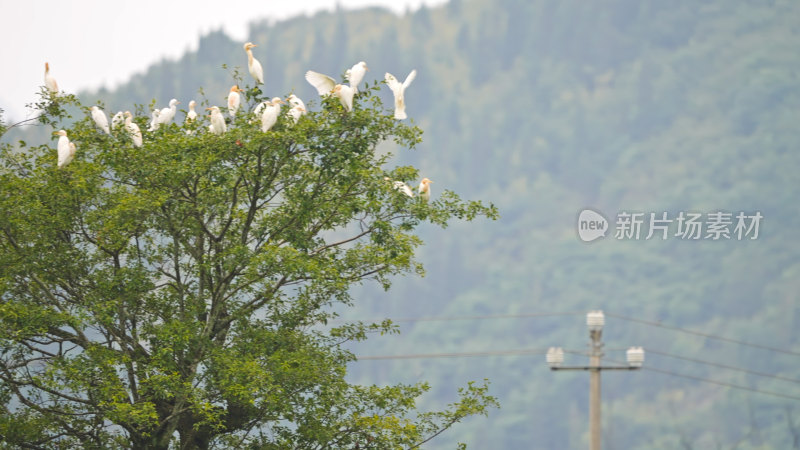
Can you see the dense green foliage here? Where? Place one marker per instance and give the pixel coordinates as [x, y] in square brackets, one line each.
[178, 294]
[548, 107]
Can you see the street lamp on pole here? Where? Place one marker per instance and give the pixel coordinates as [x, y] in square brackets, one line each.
[555, 359]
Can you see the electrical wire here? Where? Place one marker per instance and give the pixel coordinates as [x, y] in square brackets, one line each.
[456, 355]
[573, 313]
[720, 383]
[723, 366]
[705, 335]
[457, 318]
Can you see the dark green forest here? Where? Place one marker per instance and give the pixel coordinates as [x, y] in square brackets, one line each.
[545, 108]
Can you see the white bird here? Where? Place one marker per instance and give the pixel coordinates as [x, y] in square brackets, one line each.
[133, 129]
[345, 94]
[117, 120]
[258, 110]
[49, 81]
[295, 101]
[100, 119]
[66, 149]
[399, 90]
[404, 188]
[166, 115]
[296, 112]
[253, 65]
[356, 73]
[192, 114]
[154, 124]
[321, 82]
[217, 121]
[425, 189]
[270, 115]
[234, 100]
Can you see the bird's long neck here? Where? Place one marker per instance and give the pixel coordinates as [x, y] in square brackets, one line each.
[249, 56]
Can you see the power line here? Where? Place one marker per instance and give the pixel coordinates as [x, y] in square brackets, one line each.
[456, 355]
[724, 366]
[705, 335]
[618, 316]
[720, 383]
[457, 318]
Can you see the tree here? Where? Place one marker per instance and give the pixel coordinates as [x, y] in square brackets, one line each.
[179, 294]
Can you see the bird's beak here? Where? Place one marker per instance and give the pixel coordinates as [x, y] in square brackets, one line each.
[55, 132]
[366, 67]
[253, 45]
[208, 109]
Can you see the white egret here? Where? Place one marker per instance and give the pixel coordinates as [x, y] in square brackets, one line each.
[117, 120]
[133, 129]
[399, 90]
[66, 149]
[425, 189]
[404, 188]
[100, 119]
[234, 100]
[154, 123]
[295, 101]
[166, 115]
[345, 94]
[191, 115]
[296, 112]
[253, 65]
[356, 73]
[49, 81]
[217, 121]
[321, 82]
[270, 115]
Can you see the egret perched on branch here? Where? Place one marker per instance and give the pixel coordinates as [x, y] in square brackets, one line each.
[252, 64]
[49, 81]
[345, 94]
[404, 188]
[296, 112]
[66, 149]
[117, 120]
[295, 101]
[321, 82]
[399, 90]
[234, 100]
[356, 73]
[269, 117]
[166, 115]
[133, 129]
[217, 121]
[100, 119]
[425, 189]
[154, 124]
[191, 116]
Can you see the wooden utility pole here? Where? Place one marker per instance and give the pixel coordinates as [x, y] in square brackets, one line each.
[555, 357]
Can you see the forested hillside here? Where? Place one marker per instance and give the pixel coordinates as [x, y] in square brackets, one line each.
[545, 108]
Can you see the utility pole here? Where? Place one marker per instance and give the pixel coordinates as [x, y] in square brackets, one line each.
[555, 357]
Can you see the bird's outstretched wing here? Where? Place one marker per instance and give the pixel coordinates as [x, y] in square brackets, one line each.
[410, 78]
[321, 82]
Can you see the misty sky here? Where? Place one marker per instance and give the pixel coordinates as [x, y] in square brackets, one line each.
[94, 43]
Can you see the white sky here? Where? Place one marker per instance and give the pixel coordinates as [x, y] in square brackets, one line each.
[78, 38]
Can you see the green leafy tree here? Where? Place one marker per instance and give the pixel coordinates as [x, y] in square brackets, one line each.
[179, 294]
